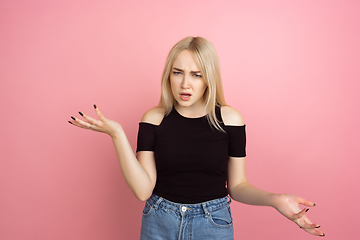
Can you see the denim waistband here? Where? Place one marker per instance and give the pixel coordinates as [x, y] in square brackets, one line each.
[211, 205]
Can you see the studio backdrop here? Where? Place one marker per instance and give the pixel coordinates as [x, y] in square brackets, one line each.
[290, 67]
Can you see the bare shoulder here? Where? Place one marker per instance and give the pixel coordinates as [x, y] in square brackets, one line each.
[231, 116]
[154, 116]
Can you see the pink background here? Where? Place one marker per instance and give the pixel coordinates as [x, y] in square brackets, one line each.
[290, 67]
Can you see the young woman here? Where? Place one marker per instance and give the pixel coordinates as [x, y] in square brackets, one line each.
[191, 154]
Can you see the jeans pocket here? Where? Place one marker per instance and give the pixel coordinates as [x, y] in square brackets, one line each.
[148, 209]
[221, 218]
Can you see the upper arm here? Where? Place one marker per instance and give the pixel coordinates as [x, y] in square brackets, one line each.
[147, 161]
[147, 158]
[236, 172]
[236, 165]
[231, 116]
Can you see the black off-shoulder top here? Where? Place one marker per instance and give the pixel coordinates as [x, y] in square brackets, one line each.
[191, 156]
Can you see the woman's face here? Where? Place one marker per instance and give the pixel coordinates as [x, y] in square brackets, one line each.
[187, 84]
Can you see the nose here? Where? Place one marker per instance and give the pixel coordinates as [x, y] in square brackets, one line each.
[185, 82]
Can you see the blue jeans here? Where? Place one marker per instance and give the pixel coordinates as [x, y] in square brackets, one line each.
[166, 220]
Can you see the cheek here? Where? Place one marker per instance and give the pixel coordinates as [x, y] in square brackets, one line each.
[172, 86]
[173, 81]
[203, 87]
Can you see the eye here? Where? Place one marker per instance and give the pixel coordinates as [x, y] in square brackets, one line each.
[176, 72]
[197, 75]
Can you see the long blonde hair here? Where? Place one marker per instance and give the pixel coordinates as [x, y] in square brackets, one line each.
[206, 58]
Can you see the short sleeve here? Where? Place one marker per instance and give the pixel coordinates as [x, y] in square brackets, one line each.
[146, 137]
[237, 141]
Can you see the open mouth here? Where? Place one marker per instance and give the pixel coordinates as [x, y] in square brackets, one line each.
[185, 96]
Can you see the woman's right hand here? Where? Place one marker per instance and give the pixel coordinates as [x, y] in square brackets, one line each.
[102, 124]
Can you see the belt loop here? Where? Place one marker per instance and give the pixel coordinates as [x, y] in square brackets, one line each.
[205, 209]
[229, 199]
[158, 202]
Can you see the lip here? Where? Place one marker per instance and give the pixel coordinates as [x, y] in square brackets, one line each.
[185, 98]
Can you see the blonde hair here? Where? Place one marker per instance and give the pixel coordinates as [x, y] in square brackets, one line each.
[206, 58]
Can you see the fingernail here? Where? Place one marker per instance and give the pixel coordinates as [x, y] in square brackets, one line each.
[307, 210]
[70, 122]
[81, 114]
[95, 106]
[73, 118]
[317, 226]
[314, 205]
[322, 235]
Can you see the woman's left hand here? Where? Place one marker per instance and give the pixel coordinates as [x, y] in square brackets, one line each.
[288, 205]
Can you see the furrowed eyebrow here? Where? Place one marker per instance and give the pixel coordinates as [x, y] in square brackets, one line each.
[180, 70]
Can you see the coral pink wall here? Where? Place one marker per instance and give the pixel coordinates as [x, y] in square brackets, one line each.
[290, 67]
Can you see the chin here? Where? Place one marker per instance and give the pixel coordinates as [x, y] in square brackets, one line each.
[184, 104]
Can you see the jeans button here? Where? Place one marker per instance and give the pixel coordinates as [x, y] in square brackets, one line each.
[183, 209]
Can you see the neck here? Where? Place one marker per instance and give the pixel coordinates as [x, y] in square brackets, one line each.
[191, 112]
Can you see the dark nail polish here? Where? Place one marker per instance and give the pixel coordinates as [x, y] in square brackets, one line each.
[314, 205]
[95, 106]
[322, 235]
[73, 118]
[70, 122]
[81, 114]
[307, 210]
[317, 227]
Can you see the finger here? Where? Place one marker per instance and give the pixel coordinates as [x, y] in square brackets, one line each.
[77, 124]
[300, 214]
[305, 223]
[82, 124]
[98, 113]
[315, 231]
[91, 120]
[309, 225]
[306, 202]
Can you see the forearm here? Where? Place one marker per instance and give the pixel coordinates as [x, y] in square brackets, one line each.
[134, 174]
[248, 194]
